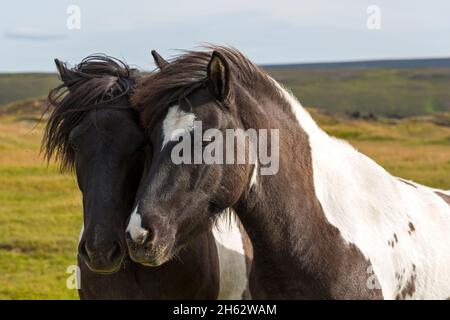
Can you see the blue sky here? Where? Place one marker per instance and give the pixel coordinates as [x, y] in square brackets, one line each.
[32, 33]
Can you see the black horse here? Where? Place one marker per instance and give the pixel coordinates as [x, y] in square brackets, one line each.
[93, 129]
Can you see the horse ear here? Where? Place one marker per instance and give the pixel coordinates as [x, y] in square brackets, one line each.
[159, 61]
[218, 74]
[63, 71]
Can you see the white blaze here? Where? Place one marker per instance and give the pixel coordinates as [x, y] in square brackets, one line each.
[176, 123]
[134, 227]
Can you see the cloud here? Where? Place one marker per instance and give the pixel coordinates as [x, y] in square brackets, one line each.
[33, 34]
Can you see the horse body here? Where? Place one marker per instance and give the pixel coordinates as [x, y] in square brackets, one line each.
[375, 225]
[403, 230]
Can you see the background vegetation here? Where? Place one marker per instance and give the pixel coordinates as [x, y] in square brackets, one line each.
[383, 92]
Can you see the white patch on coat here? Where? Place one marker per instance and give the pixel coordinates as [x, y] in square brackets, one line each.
[176, 123]
[232, 262]
[134, 228]
[368, 205]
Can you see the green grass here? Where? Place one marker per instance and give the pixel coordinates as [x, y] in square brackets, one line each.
[41, 213]
[40, 218]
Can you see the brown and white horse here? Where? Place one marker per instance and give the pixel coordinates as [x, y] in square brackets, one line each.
[330, 224]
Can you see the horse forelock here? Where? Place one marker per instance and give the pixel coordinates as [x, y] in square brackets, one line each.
[96, 81]
[155, 93]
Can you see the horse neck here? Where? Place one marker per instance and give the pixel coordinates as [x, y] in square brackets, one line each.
[285, 219]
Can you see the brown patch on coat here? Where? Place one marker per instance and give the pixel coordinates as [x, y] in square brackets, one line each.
[412, 229]
[410, 288]
[444, 196]
[392, 243]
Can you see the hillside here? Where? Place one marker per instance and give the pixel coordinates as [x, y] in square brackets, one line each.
[395, 89]
[19, 86]
[365, 64]
[386, 92]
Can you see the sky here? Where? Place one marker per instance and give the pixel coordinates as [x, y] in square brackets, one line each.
[33, 33]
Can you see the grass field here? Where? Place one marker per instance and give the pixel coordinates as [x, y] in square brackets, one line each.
[39, 217]
[40, 209]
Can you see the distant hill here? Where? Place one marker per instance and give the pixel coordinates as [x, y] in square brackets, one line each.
[19, 86]
[389, 92]
[390, 88]
[368, 64]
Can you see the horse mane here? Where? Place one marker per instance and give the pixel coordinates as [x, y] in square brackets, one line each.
[155, 93]
[96, 80]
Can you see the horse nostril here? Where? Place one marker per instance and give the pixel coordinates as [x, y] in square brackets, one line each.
[142, 237]
[145, 237]
[89, 251]
[83, 251]
[115, 252]
[151, 237]
[137, 236]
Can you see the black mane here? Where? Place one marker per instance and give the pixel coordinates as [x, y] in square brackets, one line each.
[94, 82]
